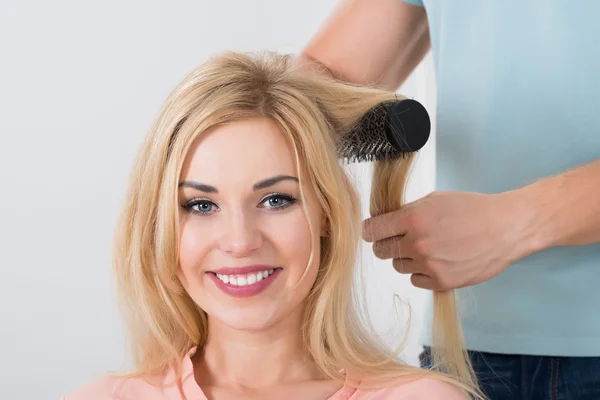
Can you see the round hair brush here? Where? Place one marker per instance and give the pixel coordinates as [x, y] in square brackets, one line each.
[388, 131]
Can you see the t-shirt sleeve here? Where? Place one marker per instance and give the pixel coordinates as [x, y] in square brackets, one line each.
[414, 2]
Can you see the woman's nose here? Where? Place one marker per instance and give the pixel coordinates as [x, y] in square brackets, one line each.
[241, 235]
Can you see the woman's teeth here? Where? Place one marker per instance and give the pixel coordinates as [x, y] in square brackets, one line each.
[247, 279]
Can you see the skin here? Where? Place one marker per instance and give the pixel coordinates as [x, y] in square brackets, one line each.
[254, 349]
[448, 240]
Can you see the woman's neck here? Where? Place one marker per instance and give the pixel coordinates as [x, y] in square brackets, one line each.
[254, 359]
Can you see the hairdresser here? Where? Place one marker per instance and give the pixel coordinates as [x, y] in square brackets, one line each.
[514, 224]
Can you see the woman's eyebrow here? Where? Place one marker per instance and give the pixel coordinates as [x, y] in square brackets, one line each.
[199, 186]
[265, 183]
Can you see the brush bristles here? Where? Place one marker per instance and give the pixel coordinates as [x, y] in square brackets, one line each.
[367, 140]
[374, 157]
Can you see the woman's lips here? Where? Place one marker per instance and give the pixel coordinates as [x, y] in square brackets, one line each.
[250, 282]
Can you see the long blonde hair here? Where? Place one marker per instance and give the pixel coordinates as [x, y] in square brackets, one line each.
[314, 112]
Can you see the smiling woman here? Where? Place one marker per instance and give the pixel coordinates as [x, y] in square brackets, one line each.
[236, 251]
[245, 239]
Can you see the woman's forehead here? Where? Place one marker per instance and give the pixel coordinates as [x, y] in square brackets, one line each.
[247, 149]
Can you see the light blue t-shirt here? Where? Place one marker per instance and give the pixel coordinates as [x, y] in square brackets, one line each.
[518, 86]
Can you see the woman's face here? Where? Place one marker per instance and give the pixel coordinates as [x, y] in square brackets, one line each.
[245, 238]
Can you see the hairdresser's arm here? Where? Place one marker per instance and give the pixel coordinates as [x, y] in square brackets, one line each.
[564, 210]
[453, 239]
[370, 42]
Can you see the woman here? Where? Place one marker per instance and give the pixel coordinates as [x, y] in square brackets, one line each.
[238, 242]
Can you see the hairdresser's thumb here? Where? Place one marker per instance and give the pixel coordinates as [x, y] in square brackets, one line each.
[388, 225]
[367, 230]
[370, 228]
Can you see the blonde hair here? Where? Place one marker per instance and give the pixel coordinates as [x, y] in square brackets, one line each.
[163, 321]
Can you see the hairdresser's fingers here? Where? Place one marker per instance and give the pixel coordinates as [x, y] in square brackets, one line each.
[406, 266]
[387, 225]
[423, 281]
[390, 248]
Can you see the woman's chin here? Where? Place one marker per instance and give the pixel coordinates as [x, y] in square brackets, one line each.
[246, 319]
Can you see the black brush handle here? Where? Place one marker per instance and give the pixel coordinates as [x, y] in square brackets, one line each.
[407, 125]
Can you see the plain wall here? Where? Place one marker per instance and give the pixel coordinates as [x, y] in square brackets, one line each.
[80, 83]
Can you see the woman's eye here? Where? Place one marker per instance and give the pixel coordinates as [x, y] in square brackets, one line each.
[201, 206]
[278, 201]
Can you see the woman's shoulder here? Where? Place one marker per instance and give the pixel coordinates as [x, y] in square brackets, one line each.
[111, 387]
[414, 389]
[104, 388]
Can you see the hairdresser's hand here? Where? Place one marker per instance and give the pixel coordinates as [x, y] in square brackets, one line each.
[449, 240]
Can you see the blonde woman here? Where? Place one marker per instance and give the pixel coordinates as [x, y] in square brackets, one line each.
[236, 250]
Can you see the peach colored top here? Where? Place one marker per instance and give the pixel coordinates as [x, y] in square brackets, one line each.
[117, 388]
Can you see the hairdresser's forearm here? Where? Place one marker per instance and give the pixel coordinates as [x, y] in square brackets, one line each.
[563, 210]
[370, 42]
[305, 62]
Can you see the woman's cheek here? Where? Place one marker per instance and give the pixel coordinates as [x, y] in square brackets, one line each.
[192, 247]
[291, 235]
